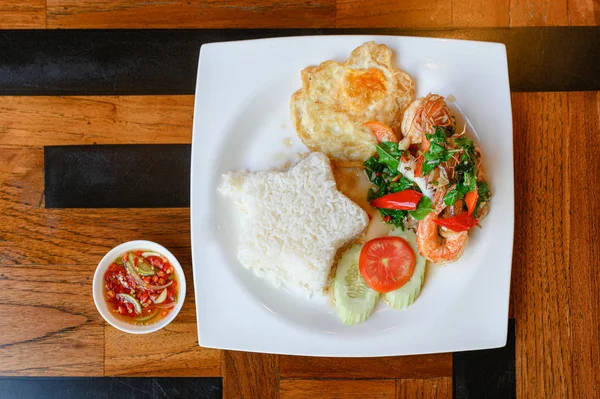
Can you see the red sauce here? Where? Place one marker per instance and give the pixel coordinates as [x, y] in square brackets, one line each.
[141, 289]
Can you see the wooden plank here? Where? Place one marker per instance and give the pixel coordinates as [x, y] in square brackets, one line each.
[480, 13]
[338, 389]
[190, 14]
[584, 12]
[538, 13]
[584, 252]
[34, 235]
[421, 366]
[435, 388]
[249, 375]
[24, 14]
[40, 121]
[394, 14]
[49, 323]
[170, 352]
[541, 268]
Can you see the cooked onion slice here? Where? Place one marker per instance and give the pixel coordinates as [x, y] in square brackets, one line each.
[142, 283]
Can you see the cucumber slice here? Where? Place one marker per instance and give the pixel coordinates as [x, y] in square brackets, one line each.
[131, 300]
[354, 300]
[145, 318]
[406, 295]
[143, 268]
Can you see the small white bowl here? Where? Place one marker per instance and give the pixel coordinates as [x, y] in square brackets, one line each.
[98, 286]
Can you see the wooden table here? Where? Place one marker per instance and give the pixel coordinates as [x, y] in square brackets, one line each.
[50, 327]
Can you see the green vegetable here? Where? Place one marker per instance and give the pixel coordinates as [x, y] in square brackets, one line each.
[437, 152]
[146, 318]
[382, 170]
[483, 190]
[465, 172]
[354, 300]
[468, 148]
[143, 268]
[423, 208]
[389, 154]
[406, 295]
[396, 216]
[484, 196]
[128, 298]
[466, 184]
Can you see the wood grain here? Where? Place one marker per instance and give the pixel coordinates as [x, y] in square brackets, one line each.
[538, 13]
[24, 14]
[338, 389]
[190, 14]
[541, 267]
[394, 14]
[421, 366]
[170, 352]
[438, 388]
[49, 323]
[38, 121]
[34, 235]
[36, 14]
[480, 13]
[584, 251]
[249, 375]
[584, 12]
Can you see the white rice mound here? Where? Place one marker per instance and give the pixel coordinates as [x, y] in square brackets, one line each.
[294, 222]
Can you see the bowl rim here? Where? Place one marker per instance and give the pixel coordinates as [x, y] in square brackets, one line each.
[98, 287]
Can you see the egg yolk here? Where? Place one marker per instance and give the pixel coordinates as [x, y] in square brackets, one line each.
[363, 87]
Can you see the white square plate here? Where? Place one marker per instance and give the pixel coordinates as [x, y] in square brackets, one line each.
[242, 121]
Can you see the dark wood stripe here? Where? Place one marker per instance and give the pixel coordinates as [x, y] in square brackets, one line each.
[117, 176]
[110, 387]
[488, 373]
[105, 62]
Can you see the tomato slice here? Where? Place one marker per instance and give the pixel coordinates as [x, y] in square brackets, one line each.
[386, 263]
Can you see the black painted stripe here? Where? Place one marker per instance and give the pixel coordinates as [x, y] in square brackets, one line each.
[110, 387]
[117, 176]
[488, 373]
[107, 62]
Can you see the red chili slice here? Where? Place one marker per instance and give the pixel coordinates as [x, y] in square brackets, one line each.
[406, 200]
[458, 223]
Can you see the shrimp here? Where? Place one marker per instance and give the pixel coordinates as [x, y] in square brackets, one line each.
[437, 244]
[421, 117]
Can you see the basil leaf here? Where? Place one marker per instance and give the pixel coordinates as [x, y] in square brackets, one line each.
[428, 167]
[396, 216]
[468, 148]
[484, 196]
[451, 197]
[423, 208]
[469, 182]
[402, 184]
[436, 152]
[389, 154]
[483, 190]
[373, 165]
[438, 136]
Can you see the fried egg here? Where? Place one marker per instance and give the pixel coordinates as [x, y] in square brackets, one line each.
[337, 99]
